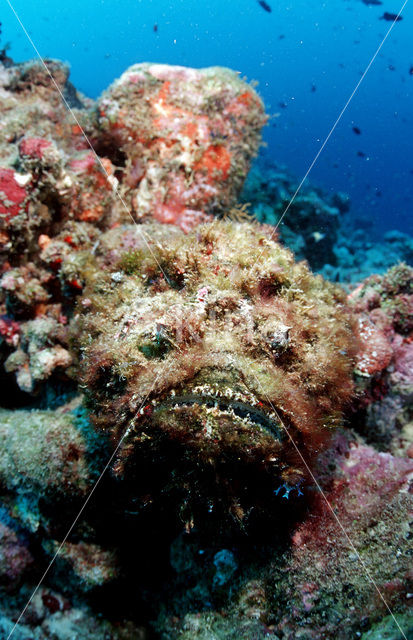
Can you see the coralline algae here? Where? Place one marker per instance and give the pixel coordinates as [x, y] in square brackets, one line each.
[384, 365]
[186, 135]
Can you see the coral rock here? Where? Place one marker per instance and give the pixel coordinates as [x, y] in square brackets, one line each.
[188, 136]
[42, 452]
[326, 585]
[172, 143]
[15, 558]
[385, 358]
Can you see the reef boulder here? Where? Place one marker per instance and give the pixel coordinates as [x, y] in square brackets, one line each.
[187, 137]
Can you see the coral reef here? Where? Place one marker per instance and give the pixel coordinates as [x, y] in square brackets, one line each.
[357, 256]
[15, 558]
[315, 586]
[319, 228]
[202, 353]
[328, 592]
[51, 616]
[51, 202]
[312, 225]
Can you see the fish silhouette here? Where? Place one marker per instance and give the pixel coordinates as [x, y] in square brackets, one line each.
[391, 17]
[265, 5]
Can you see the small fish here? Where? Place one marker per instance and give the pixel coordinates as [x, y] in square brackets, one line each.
[313, 88]
[361, 154]
[391, 67]
[155, 28]
[281, 36]
[265, 6]
[357, 131]
[391, 17]
[283, 105]
[317, 236]
[373, 2]
[411, 70]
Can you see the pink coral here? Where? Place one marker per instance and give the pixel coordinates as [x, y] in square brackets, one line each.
[328, 589]
[33, 147]
[14, 195]
[9, 331]
[376, 351]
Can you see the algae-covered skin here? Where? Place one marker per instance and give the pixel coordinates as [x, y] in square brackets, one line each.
[211, 351]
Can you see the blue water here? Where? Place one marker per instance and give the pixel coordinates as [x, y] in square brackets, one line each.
[306, 56]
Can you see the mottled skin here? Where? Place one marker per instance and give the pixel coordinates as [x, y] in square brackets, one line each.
[211, 352]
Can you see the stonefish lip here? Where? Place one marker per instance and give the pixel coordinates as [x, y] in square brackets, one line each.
[227, 401]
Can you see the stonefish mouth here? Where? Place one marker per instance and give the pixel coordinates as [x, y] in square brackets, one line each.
[225, 401]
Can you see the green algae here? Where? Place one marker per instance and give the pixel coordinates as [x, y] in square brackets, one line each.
[387, 629]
